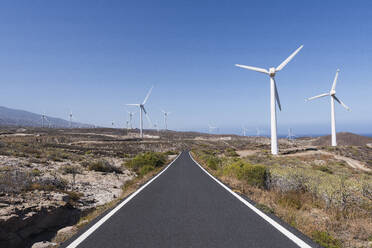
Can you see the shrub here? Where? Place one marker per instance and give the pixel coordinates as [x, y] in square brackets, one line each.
[71, 169]
[154, 159]
[103, 166]
[146, 169]
[253, 174]
[291, 200]
[170, 153]
[229, 152]
[325, 169]
[233, 169]
[325, 239]
[35, 172]
[213, 162]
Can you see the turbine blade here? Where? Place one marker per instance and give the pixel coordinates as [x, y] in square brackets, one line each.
[132, 104]
[253, 68]
[147, 96]
[277, 96]
[144, 110]
[148, 119]
[343, 104]
[318, 96]
[335, 80]
[285, 62]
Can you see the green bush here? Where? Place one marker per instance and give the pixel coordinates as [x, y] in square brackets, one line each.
[325, 239]
[233, 169]
[146, 169]
[154, 159]
[253, 174]
[213, 162]
[103, 166]
[229, 152]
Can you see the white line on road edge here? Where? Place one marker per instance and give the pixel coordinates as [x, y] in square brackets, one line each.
[279, 227]
[88, 232]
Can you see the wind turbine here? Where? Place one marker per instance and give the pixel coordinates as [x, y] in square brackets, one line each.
[212, 128]
[131, 118]
[332, 94]
[142, 109]
[166, 118]
[70, 115]
[156, 126]
[43, 118]
[244, 130]
[274, 96]
[290, 136]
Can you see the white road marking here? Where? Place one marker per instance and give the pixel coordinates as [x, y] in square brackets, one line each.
[279, 227]
[88, 232]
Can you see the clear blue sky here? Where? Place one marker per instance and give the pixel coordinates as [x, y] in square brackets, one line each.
[95, 56]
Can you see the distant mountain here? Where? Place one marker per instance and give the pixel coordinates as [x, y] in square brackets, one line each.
[15, 117]
[344, 138]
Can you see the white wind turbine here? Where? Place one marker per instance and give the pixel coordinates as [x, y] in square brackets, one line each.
[43, 118]
[142, 108]
[274, 96]
[244, 130]
[212, 128]
[165, 118]
[332, 94]
[290, 136]
[131, 118]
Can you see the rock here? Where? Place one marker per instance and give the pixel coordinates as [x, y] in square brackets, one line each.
[61, 197]
[44, 244]
[65, 233]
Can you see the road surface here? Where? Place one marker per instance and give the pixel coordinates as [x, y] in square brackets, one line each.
[185, 207]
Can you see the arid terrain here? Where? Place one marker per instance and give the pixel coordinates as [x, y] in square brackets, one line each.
[53, 181]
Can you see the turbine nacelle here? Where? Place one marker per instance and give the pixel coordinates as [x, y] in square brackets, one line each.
[332, 92]
[272, 71]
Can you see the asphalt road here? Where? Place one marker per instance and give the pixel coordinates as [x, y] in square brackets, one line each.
[184, 207]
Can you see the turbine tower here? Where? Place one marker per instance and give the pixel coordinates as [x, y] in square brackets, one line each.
[274, 96]
[143, 110]
[332, 94]
[165, 118]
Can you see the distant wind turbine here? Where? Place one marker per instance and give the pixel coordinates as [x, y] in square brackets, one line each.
[290, 136]
[212, 128]
[142, 109]
[244, 130]
[43, 118]
[131, 118]
[274, 96]
[165, 118]
[70, 116]
[332, 94]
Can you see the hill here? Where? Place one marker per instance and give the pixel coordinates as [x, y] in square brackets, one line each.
[16, 117]
[343, 138]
